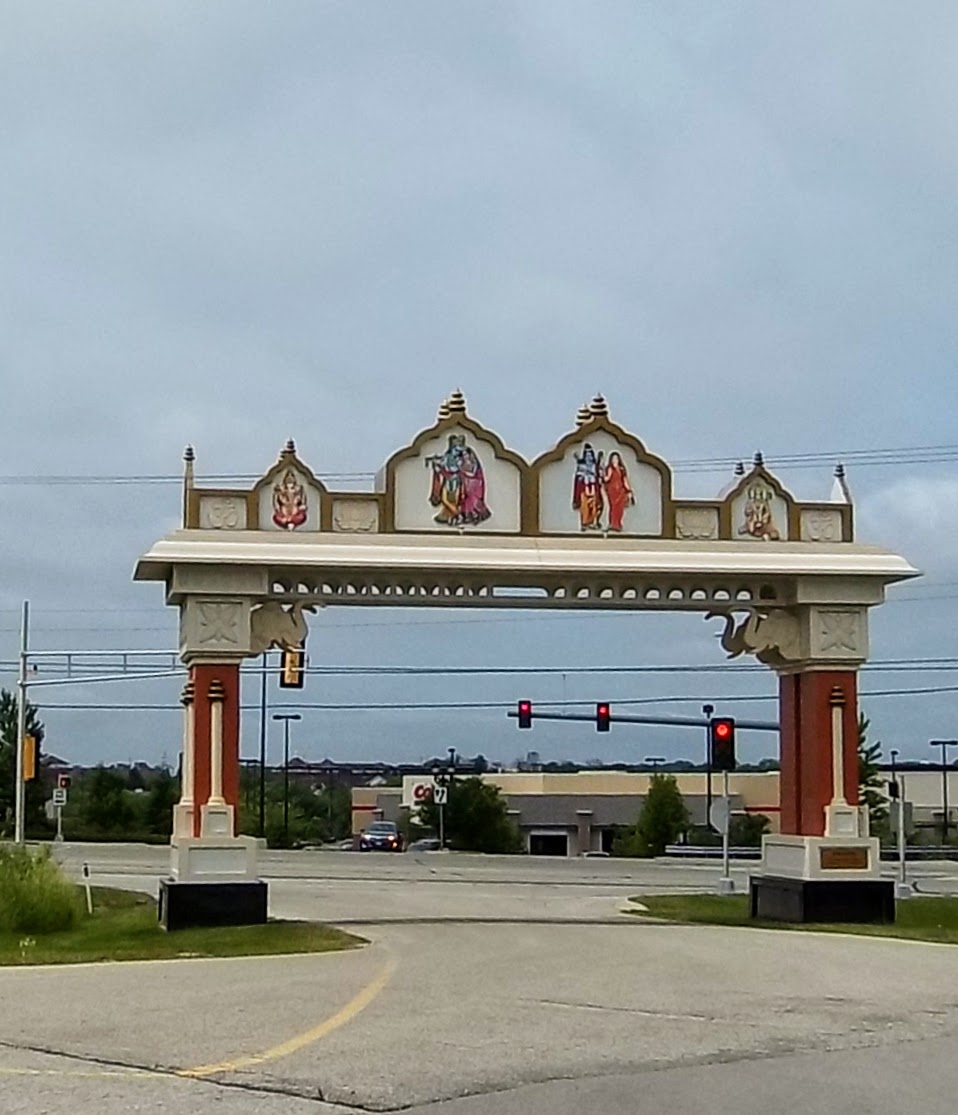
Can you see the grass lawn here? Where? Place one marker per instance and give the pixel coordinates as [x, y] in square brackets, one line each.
[919, 919]
[124, 926]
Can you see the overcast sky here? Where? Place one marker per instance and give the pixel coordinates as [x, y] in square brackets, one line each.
[229, 223]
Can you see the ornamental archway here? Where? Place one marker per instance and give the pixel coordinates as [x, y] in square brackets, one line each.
[457, 519]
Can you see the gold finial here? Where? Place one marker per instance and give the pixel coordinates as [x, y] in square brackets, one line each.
[444, 411]
[598, 406]
[290, 449]
[456, 402]
[759, 460]
[740, 469]
[584, 417]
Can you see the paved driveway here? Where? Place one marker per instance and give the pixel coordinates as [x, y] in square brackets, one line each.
[565, 1005]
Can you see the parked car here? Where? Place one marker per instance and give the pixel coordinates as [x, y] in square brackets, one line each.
[381, 836]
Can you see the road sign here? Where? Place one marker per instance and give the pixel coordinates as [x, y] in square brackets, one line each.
[719, 815]
[440, 794]
[59, 796]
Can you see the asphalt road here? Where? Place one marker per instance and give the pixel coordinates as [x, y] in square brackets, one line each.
[489, 987]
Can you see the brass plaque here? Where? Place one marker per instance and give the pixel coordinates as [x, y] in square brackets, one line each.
[843, 859]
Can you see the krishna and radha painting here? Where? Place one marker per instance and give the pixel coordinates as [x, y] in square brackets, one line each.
[458, 484]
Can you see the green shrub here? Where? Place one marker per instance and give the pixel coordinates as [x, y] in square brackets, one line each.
[35, 897]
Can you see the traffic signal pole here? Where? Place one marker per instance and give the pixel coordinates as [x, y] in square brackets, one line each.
[629, 718]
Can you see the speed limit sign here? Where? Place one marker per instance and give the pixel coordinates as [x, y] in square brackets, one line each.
[439, 795]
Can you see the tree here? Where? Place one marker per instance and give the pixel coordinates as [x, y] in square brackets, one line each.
[105, 807]
[33, 814]
[163, 794]
[746, 830]
[870, 783]
[476, 818]
[662, 820]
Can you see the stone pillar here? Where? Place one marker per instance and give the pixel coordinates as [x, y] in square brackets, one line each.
[808, 777]
[184, 811]
[217, 690]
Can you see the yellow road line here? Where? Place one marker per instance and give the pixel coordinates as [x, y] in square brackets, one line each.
[355, 1005]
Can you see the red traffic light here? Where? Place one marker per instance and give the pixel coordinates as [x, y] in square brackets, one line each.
[603, 714]
[525, 714]
[722, 743]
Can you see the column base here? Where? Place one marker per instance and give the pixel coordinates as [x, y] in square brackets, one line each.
[822, 879]
[187, 905]
[213, 859]
[855, 901]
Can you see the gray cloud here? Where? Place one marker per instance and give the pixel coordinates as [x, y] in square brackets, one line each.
[228, 223]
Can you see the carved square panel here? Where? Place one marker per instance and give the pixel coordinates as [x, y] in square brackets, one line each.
[223, 512]
[822, 524]
[356, 516]
[696, 523]
[839, 633]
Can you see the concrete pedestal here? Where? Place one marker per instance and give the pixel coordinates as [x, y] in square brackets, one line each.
[186, 905]
[862, 901]
[214, 882]
[822, 879]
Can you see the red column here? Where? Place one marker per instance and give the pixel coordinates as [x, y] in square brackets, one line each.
[201, 676]
[805, 781]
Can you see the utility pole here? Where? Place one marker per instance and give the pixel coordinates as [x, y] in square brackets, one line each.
[19, 796]
[944, 744]
[286, 717]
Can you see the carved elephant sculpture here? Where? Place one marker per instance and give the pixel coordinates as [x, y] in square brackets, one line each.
[772, 638]
[272, 625]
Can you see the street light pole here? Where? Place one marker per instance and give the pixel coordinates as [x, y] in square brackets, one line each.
[286, 717]
[944, 744]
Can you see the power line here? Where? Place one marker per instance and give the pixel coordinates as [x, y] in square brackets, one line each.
[433, 706]
[914, 454]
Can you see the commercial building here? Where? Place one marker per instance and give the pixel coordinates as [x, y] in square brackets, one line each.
[571, 814]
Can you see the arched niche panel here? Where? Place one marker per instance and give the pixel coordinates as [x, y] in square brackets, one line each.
[456, 477]
[759, 509]
[601, 480]
[289, 498]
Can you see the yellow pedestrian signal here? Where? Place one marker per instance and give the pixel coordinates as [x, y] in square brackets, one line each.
[293, 670]
[30, 750]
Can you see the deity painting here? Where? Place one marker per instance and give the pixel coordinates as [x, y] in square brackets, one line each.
[757, 520]
[618, 491]
[601, 487]
[587, 488]
[458, 485]
[289, 502]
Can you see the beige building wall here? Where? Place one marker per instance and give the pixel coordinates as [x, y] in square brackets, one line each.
[758, 791]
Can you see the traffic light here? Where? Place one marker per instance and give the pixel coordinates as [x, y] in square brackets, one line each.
[31, 755]
[293, 671]
[525, 714]
[603, 714]
[722, 743]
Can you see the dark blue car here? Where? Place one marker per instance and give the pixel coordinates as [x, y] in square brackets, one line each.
[381, 836]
